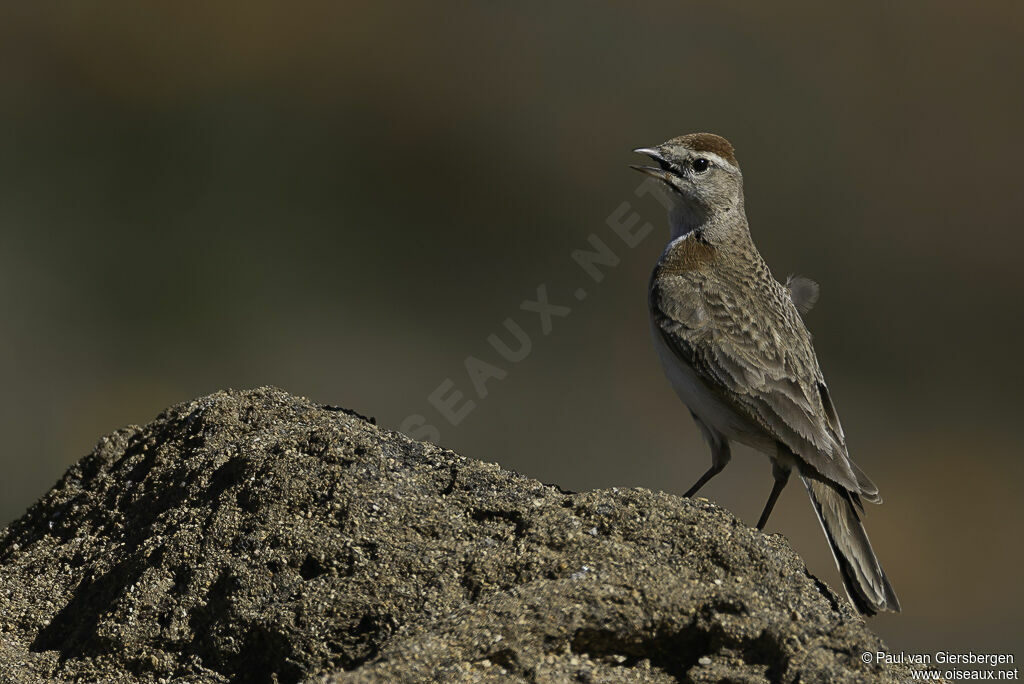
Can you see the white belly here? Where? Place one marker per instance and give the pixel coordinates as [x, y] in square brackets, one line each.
[699, 398]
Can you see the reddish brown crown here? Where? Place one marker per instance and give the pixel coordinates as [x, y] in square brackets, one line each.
[708, 142]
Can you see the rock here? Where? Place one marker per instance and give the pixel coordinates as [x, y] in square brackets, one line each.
[255, 536]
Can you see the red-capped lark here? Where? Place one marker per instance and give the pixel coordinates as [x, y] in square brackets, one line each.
[737, 352]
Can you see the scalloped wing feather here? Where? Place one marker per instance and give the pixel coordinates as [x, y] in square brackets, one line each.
[763, 365]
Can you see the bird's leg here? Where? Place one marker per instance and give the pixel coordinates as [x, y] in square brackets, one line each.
[720, 455]
[781, 473]
[711, 472]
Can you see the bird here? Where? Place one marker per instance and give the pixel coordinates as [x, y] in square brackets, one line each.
[733, 343]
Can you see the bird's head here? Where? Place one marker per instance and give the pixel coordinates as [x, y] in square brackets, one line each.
[703, 176]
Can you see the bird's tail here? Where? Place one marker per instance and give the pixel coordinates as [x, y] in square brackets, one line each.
[865, 581]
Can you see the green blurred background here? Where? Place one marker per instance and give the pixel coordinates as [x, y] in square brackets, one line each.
[346, 199]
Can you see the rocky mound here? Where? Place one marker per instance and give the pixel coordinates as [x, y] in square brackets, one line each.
[258, 537]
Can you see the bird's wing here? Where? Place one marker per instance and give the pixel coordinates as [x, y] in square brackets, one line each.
[757, 355]
[803, 291]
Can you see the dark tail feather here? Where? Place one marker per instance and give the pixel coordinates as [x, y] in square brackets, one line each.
[866, 583]
[868, 489]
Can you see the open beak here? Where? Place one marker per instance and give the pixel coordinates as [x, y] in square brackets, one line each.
[660, 171]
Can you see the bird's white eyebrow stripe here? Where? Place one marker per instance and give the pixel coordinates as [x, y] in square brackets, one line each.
[716, 159]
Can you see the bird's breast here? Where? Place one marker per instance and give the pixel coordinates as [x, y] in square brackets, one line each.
[685, 254]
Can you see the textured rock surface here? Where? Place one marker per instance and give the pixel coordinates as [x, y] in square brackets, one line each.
[255, 536]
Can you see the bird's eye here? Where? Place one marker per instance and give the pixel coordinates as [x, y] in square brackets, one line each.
[700, 164]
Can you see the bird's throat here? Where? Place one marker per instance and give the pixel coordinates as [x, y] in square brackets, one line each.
[684, 218]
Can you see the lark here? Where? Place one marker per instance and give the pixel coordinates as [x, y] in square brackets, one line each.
[732, 340]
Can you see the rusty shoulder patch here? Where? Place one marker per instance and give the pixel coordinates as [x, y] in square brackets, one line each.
[687, 255]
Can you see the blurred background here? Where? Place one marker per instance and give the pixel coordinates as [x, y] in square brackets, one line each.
[346, 199]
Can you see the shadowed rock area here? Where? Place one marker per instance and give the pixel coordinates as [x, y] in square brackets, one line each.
[258, 537]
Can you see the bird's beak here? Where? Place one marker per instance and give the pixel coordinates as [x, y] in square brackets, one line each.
[660, 171]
